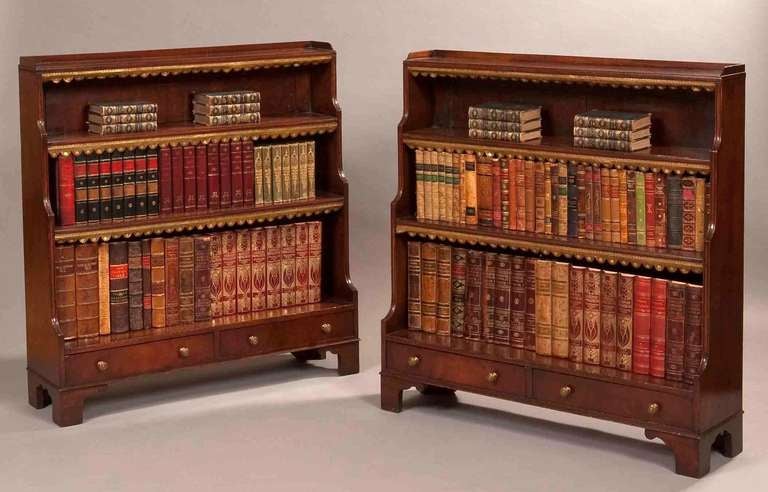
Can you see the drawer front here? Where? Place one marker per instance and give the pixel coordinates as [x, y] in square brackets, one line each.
[103, 365]
[455, 369]
[286, 335]
[612, 399]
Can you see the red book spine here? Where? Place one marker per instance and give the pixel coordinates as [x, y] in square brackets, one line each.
[190, 178]
[177, 184]
[658, 326]
[248, 171]
[641, 326]
[165, 178]
[65, 177]
[236, 163]
[214, 196]
[201, 166]
[225, 175]
[496, 190]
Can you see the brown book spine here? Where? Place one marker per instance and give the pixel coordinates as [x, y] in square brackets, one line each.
[530, 196]
[157, 263]
[488, 291]
[414, 285]
[701, 200]
[66, 293]
[597, 193]
[186, 286]
[202, 278]
[530, 304]
[539, 212]
[258, 269]
[562, 199]
[576, 314]
[419, 174]
[504, 184]
[135, 290]
[302, 263]
[229, 273]
[443, 323]
[605, 205]
[447, 186]
[485, 191]
[520, 190]
[243, 271]
[641, 326]
[129, 185]
[581, 202]
[429, 287]
[623, 208]
[93, 180]
[146, 281]
[658, 326]
[274, 267]
[153, 198]
[631, 207]
[434, 184]
[172, 301]
[589, 231]
[624, 313]
[553, 196]
[688, 185]
[462, 188]
[288, 264]
[470, 189]
[544, 307]
[615, 206]
[694, 325]
[441, 187]
[474, 312]
[660, 207]
[675, 345]
[315, 260]
[517, 303]
[547, 199]
[458, 290]
[190, 178]
[501, 299]
[608, 296]
[87, 289]
[104, 324]
[560, 311]
[217, 273]
[592, 318]
[140, 180]
[118, 287]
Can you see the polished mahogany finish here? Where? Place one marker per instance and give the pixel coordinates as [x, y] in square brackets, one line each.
[698, 128]
[297, 82]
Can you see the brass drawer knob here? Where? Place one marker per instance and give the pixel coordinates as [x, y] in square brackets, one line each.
[102, 365]
[653, 408]
[493, 376]
[566, 391]
[414, 360]
[183, 352]
[253, 340]
[326, 328]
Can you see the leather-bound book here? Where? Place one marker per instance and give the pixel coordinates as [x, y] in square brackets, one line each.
[530, 304]
[530, 195]
[442, 188]
[674, 212]
[177, 178]
[675, 345]
[517, 303]
[581, 202]
[201, 175]
[229, 271]
[276, 153]
[429, 287]
[488, 291]
[65, 294]
[303, 173]
[92, 187]
[660, 208]
[624, 314]
[474, 312]
[547, 199]
[539, 211]
[597, 193]
[258, 269]
[688, 186]
[225, 175]
[433, 170]
[274, 268]
[117, 188]
[615, 207]
[190, 178]
[641, 326]
[485, 191]
[186, 279]
[135, 290]
[544, 307]
[458, 290]
[315, 260]
[520, 191]
[266, 164]
[295, 173]
[153, 197]
[631, 207]
[311, 169]
[609, 290]
[658, 327]
[65, 190]
[286, 158]
[573, 202]
[606, 217]
[453, 213]
[172, 295]
[623, 207]
[589, 231]
[701, 192]
[462, 189]
[202, 278]
[419, 174]
[650, 209]
[236, 172]
[146, 282]
[560, 309]
[165, 177]
[592, 318]
[157, 275]
[288, 264]
[119, 321]
[504, 193]
[104, 324]
[694, 326]
[87, 289]
[562, 199]
[501, 299]
[140, 182]
[553, 195]
[129, 184]
[213, 185]
[105, 185]
[640, 208]
[243, 269]
[249, 171]
[217, 267]
[470, 188]
[576, 314]
[302, 263]
[81, 189]
[443, 324]
[414, 285]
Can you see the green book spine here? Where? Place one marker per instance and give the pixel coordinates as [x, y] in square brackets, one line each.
[640, 207]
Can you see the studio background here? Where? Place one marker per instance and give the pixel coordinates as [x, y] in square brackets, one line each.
[371, 39]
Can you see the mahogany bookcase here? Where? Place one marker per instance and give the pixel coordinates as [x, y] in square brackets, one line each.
[297, 82]
[698, 128]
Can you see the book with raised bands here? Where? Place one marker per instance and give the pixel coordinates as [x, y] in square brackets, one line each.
[443, 322]
[216, 275]
[172, 294]
[119, 320]
[202, 278]
[66, 290]
[243, 289]
[429, 287]
[186, 286]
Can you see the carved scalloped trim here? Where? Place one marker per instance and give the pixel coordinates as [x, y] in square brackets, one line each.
[556, 251]
[254, 217]
[127, 143]
[166, 70]
[549, 156]
[568, 79]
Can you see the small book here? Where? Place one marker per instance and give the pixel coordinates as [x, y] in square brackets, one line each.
[624, 322]
[227, 119]
[694, 322]
[576, 314]
[608, 296]
[641, 326]
[675, 343]
[227, 97]
[510, 112]
[612, 120]
[135, 287]
[560, 309]
[225, 109]
[121, 118]
[611, 144]
[65, 190]
[145, 126]
[592, 318]
[146, 282]
[473, 306]
[429, 287]
[104, 302]
[115, 108]
[488, 289]
[658, 327]
[517, 303]
[87, 289]
[506, 136]
[503, 126]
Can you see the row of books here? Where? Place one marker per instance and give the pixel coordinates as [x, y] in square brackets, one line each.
[106, 118]
[505, 121]
[611, 205]
[121, 286]
[119, 186]
[612, 130]
[629, 322]
[227, 108]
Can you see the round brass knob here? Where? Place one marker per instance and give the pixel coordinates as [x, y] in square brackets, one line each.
[566, 391]
[414, 360]
[253, 340]
[653, 408]
[326, 328]
[102, 365]
[184, 352]
[493, 376]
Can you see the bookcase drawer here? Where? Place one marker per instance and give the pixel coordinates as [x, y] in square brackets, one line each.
[104, 365]
[612, 399]
[285, 335]
[456, 369]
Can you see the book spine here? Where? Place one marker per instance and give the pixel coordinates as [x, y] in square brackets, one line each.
[494, 125]
[615, 207]
[414, 285]
[311, 169]
[623, 207]
[135, 287]
[660, 208]
[201, 173]
[65, 190]
[694, 325]
[539, 211]
[427, 177]
[512, 193]
[606, 213]
[140, 181]
[206, 109]
[592, 318]
[530, 195]
[129, 185]
[302, 263]
[553, 196]
[118, 287]
[485, 191]
[115, 109]
[229, 271]
[675, 346]
[214, 184]
[190, 179]
[458, 290]
[650, 209]
[589, 231]
[560, 309]
[688, 187]
[117, 188]
[288, 264]
[107, 129]
[563, 210]
[93, 180]
[429, 287]
[640, 208]
[631, 208]
[212, 100]
[441, 186]
[521, 194]
[266, 163]
[543, 307]
[624, 325]
[674, 212]
[258, 176]
[581, 203]
[658, 327]
[455, 187]
[604, 143]
[172, 301]
[576, 314]
[597, 193]
[315, 260]
[87, 289]
[602, 133]
[104, 322]
[608, 298]
[446, 182]
[186, 279]
[530, 304]
[501, 298]
[419, 173]
[701, 193]
[81, 189]
[259, 269]
[462, 189]
[66, 290]
[217, 265]
[504, 193]
[146, 282]
[277, 173]
[115, 119]
[573, 205]
[303, 172]
[286, 159]
[243, 271]
[157, 275]
[202, 278]
[153, 198]
[496, 216]
[488, 290]
[177, 184]
[225, 175]
[641, 324]
[474, 312]
[443, 321]
[249, 172]
[517, 303]
[274, 273]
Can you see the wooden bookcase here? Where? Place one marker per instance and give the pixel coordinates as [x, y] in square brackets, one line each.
[698, 127]
[298, 86]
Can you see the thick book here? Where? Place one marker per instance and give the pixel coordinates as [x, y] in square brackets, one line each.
[201, 173]
[560, 309]
[87, 289]
[612, 120]
[135, 287]
[501, 111]
[609, 289]
[500, 190]
[650, 209]
[119, 320]
[674, 212]
[484, 191]
[236, 171]
[615, 207]
[286, 158]
[544, 307]
[429, 287]
[157, 277]
[675, 344]
[129, 184]
[589, 232]
[641, 326]
[227, 97]
[202, 278]
[462, 189]
[81, 189]
[227, 119]
[606, 212]
[458, 289]
[140, 182]
[213, 185]
[488, 290]
[658, 327]
[456, 188]
[517, 303]
[529, 172]
[504, 126]
[243, 271]
[623, 207]
[539, 200]
[660, 209]
[530, 304]
[501, 298]
[216, 275]
[172, 294]
[624, 321]
[119, 107]
[153, 197]
[190, 178]
[554, 184]
[303, 172]
[249, 171]
[288, 264]
[573, 205]
[225, 175]
[443, 321]
[581, 202]
[274, 272]
[592, 318]
[694, 326]
[473, 307]
[146, 282]
[302, 263]
[315, 261]
[258, 269]
[576, 314]
[65, 190]
[66, 290]
[104, 314]
[177, 178]
[688, 193]
[117, 188]
[597, 201]
[612, 144]
[229, 270]
[640, 208]
[186, 279]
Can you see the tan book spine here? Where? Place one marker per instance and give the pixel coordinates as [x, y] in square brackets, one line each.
[217, 267]
[429, 287]
[560, 310]
[576, 310]
[302, 263]
[276, 156]
[227, 119]
[187, 278]
[547, 199]
[172, 281]
[462, 189]
[504, 188]
[243, 268]
[615, 207]
[544, 307]
[456, 187]
[414, 285]
[258, 177]
[530, 196]
[434, 159]
[470, 188]
[605, 204]
[303, 171]
[539, 198]
[623, 210]
[157, 262]
[104, 325]
[443, 324]
[520, 188]
[315, 260]
[419, 163]
[443, 181]
[295, 172]
[274, 273]
[608, 297]
[311, 192]
[512, 194]
[288, 264]
[592, 316]
[624, 310]
[700, 215]
[266, 165]
[287, 191]
[229, 273]
[258, 269]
